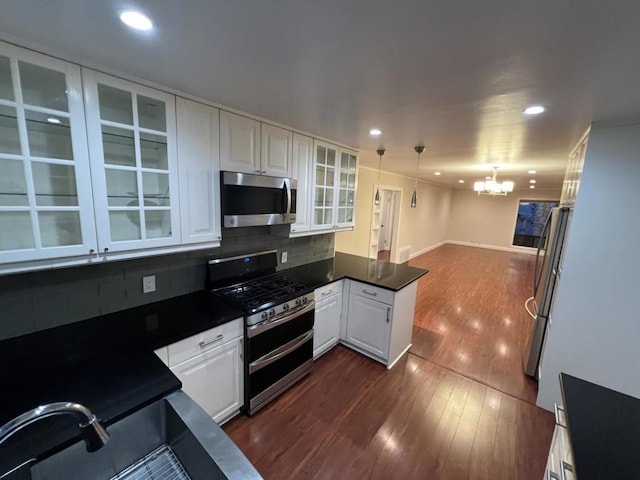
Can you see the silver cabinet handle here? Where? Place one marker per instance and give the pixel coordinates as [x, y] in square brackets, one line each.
[552, 475]
[557, 409]
[203, 344]
[257, 171]
[373, 294]
[324, 294]
[565, 467]
[263, 171]
[388, 314]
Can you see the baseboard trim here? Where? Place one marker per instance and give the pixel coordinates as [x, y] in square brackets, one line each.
[425, 250]
[525, 250]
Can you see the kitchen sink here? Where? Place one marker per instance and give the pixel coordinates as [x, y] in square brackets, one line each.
[172, 438]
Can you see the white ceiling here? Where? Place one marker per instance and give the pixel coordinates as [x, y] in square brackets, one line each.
[450, 73]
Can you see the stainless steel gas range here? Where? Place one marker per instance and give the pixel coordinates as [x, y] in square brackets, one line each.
[279, 316]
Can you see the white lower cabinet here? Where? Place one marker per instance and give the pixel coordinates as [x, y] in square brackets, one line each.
[379, 322]
[214, 379]
[210, 367]
[328, 313]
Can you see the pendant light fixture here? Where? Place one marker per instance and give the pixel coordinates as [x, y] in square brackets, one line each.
[376, 200]
[414, 198]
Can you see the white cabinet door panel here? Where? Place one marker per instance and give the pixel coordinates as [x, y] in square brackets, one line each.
[276, 146]
[326, 330]
[214, 379]
[369, 325]
[199, 171]
[301, 171]
[239, 143]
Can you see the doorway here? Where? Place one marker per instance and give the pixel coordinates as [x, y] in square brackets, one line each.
[384, 225]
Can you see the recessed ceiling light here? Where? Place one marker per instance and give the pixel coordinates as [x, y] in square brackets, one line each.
[532, 181]
[437, 174]
[54, 120]
[460, 181]
[534, 110]
[532, 172]
[532, 186]
[487, 178]
[136, 20]
[374, 132]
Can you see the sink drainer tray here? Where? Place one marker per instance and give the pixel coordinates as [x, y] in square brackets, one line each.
[161, 464]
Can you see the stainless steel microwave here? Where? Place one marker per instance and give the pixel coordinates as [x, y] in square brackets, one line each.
[249, 200]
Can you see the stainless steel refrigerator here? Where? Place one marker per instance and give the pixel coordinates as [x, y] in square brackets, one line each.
[547, 271]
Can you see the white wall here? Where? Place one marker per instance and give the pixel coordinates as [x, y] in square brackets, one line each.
[595, 330]
[421, 227]
[489, 221]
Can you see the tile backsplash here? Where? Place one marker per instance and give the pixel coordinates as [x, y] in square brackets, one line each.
[36, 301]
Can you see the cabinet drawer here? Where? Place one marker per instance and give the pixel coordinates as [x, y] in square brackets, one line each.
[375, 293]
[204, 341]
[328, 290]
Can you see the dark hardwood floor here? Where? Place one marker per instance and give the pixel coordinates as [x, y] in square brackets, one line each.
[470, 315]
[436, 414]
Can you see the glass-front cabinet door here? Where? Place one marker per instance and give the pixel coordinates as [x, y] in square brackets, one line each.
[46, 208]
[132, 146]
[324, 186]
[347, 188]
[334, 187]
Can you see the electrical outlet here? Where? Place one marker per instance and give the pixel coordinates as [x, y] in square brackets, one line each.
[285, 257]
[149, 284]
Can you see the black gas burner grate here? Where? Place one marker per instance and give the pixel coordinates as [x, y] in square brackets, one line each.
[261, 291]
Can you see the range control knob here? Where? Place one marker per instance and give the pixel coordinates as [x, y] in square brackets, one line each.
[285, 307]
[264, 315]
[304, 300]
[298, 301]
[272, 313]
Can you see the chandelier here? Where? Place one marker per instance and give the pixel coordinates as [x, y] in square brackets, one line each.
[492, 187]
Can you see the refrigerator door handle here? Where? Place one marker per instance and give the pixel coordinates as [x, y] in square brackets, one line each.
[543, 238]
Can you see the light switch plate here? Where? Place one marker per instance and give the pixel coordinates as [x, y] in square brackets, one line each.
[149, 284]
[285, 257]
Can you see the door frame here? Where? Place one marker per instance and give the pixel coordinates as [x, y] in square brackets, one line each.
[397, 211]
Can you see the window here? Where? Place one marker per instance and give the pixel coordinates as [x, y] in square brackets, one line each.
[532, 215]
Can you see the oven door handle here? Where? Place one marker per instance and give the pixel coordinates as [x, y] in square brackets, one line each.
[280, 352]
[263, 327]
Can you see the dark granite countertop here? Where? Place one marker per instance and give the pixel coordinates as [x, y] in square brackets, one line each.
[107, 362]
[604, 430]
[391, 276]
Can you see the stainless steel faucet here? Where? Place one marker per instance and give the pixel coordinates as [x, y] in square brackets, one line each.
[95, 436]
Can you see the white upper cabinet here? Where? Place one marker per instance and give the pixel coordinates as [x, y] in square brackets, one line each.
[239, 143]
[46, 208]
[301, 171]
[334, 187]
[134, 169]
[199, 167]
[248, 146]
[348, 171]
[276, 151]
